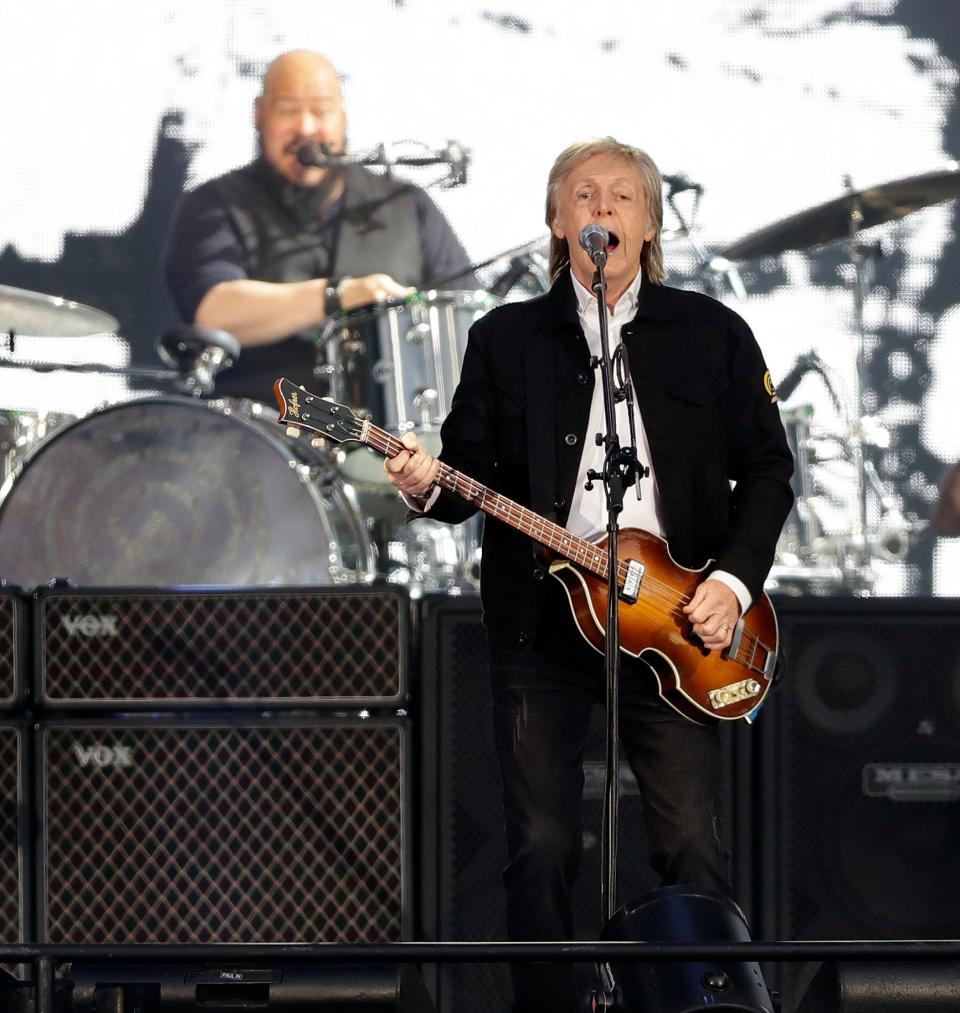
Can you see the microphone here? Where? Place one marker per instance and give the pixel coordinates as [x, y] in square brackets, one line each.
[594, 238]
[458, 158]
[316, 154]
[514, 272]
[789, 383]
[680, 182]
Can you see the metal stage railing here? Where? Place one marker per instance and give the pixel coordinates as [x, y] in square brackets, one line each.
[45, 956]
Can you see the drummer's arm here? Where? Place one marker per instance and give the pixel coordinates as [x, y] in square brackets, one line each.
[260, 312]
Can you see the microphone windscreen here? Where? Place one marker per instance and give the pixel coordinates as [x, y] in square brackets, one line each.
[594, 237]
[313, 153]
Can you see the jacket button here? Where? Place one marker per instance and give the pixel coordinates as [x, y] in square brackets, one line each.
[538, 574]
[559, 504]
[570, 439]
[581, 377]
[523, 639]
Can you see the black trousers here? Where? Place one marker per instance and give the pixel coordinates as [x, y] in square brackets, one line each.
[542, 702]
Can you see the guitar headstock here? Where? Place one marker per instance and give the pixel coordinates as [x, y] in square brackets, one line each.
[298, 407]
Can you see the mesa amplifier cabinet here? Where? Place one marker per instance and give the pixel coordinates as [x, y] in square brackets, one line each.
[241, 830]
[273, 647]
[13, 646]
[859, 810]
[14, 846]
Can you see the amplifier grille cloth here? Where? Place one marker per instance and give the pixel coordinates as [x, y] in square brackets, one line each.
[8, 646]
[11, 915]
[220, 834]
[206, 645]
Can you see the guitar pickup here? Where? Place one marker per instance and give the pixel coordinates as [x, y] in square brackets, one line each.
[631, 584]
[723, 696]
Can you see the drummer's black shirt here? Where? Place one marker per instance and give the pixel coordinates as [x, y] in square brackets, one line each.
[204, 249]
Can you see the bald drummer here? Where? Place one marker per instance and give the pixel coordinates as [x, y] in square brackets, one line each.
[270, 250]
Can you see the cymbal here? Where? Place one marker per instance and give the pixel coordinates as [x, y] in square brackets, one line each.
[50, 316]
[829, 222]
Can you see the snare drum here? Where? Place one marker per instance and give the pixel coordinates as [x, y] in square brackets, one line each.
[398, 363]
[175, 491]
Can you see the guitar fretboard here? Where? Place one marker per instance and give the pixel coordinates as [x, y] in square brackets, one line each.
[570, 546]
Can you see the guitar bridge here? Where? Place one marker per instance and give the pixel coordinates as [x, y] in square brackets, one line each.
[631, 584]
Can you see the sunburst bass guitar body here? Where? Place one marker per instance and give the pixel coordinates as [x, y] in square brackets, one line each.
[701, 685]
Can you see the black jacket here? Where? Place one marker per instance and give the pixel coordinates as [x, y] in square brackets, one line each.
[519, 419]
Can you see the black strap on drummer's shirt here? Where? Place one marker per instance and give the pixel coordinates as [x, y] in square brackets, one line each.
[288, 235]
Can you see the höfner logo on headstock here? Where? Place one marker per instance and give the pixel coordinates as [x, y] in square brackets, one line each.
[293, 404]
[91, 626]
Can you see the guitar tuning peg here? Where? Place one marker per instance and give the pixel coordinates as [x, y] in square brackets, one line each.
[293, 431]
[319, 442]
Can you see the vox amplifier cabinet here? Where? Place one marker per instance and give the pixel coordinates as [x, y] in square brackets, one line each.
[132, 649]
[242, 830]
[13, 646]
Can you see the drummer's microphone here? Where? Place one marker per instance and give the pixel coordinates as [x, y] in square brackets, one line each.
[594, 238]
[316, 154]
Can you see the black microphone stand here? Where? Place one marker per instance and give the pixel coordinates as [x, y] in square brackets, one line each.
[621, 469]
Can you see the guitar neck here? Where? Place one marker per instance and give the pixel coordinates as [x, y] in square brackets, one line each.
[554, 537]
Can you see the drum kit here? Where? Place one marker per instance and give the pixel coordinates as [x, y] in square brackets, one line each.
[816, 554]
[183, 487]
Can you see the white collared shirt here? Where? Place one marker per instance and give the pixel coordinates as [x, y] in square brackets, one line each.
[588, 510]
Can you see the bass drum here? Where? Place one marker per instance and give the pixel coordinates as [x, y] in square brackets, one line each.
[174, 491]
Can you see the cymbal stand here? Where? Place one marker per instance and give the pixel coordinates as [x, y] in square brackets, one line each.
[712, 268]
[862, 255]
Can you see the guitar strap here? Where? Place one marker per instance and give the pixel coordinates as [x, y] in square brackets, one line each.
[539, 365]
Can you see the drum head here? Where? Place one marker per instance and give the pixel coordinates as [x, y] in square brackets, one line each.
[166, 492]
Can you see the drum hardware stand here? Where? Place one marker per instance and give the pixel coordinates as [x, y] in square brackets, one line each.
[522, 252]
[197, 354]
[863, 256]
[140, 372]
[713, 269]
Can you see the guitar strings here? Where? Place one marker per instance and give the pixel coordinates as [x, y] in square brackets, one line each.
[661, 599]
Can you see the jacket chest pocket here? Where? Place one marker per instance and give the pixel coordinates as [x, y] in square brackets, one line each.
[695, 408]
[700, 388]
